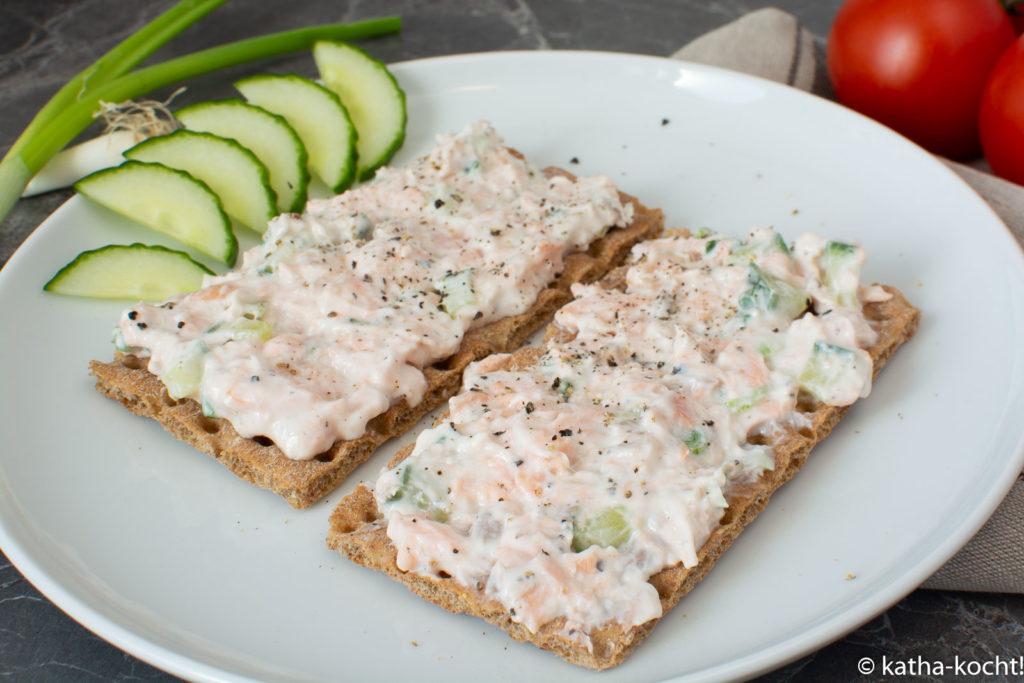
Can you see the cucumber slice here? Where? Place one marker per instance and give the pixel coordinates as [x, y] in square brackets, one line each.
[372, 97]
[168, 201]
[233, 172]
[267, 135]
[317, 115]
[134, 271]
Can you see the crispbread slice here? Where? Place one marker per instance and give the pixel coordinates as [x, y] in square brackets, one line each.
[358, 532]
[303, 482]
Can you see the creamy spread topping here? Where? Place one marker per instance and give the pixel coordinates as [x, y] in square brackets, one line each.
[559, 489]
[331, 319]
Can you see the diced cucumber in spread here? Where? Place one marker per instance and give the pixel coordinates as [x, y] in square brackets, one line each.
[696, 441]
[317, 115]
[457, 291]
[748, 250]
[184, 375]
[254, 310]
[372, 97]
[741, 252]
[749, 458]
[609, 529]
[717, 497]
[827, 367]
[841, 269]
[207, 408]
[839, 250]
[758, 458]
[738, 405]
[635, 414]
[168, 201]
[117, 338]
[563, 387]
[245, 328]
[266, 135]
[772, 295]
[133, 271]
[364, 228]
[283, 253]
[420, 495]
[779, 244]
[233, 172]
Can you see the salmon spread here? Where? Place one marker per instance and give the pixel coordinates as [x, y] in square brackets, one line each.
[329, 321]
[559, 489]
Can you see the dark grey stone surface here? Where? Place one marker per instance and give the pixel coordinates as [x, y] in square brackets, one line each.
[44, 42]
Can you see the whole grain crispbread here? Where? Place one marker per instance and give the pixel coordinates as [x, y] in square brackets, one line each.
[303, 482]
[358, 531]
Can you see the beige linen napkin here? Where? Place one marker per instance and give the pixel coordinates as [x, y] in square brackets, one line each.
[771, 43]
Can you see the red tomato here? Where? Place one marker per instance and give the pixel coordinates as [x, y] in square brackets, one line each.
[919, 66]
[1002, 115]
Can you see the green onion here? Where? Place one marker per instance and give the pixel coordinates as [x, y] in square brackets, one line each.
[75, 106]
[118, 61]
[15, 170]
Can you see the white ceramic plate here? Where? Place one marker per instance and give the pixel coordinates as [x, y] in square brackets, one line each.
[160, 550]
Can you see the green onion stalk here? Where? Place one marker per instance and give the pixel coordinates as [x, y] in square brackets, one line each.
[121, 59]
[111, 79]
